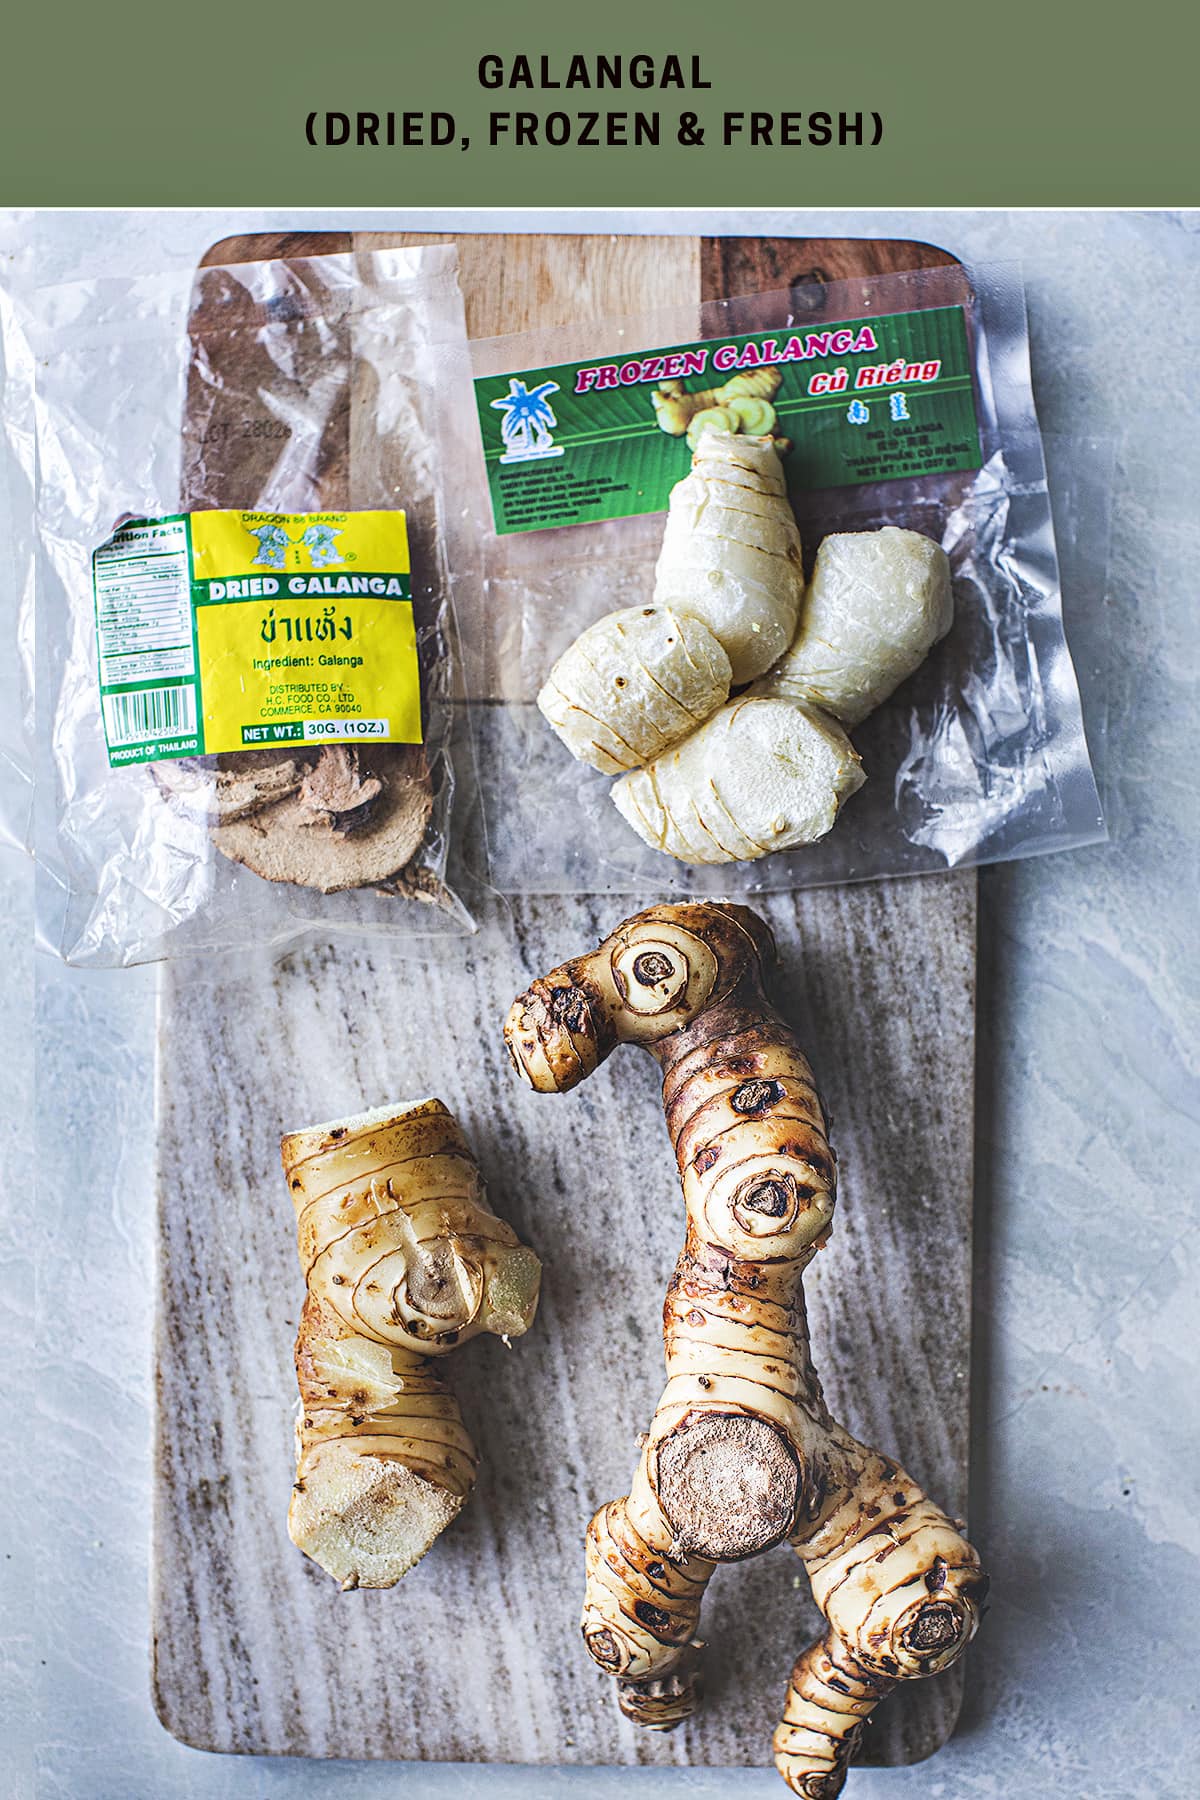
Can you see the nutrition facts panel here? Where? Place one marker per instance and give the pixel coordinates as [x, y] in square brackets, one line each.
[143, 604]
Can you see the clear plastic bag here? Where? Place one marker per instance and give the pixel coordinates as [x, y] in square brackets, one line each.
[328, 383]
[16, 571]
[980, 756]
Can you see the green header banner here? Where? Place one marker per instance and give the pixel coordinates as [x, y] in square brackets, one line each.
[540, 104]
[864, 400]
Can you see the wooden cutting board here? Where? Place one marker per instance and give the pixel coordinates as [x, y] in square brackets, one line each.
[476, 1656]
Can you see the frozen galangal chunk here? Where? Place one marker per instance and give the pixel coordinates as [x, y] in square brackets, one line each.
[763, 774]
[877, 603]
[634, 683]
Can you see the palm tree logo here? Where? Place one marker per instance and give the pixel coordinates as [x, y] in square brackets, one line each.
[528, 418]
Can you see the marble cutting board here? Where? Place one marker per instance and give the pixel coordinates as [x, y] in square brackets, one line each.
[476, 1655]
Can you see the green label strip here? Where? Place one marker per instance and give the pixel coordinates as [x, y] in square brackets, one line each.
[861, 400]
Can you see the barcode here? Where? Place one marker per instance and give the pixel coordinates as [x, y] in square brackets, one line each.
[152, 713]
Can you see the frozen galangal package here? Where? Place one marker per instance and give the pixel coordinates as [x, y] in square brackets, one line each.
[772, 594]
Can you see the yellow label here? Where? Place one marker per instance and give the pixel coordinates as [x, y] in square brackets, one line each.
[241, 543]
[304, 629]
